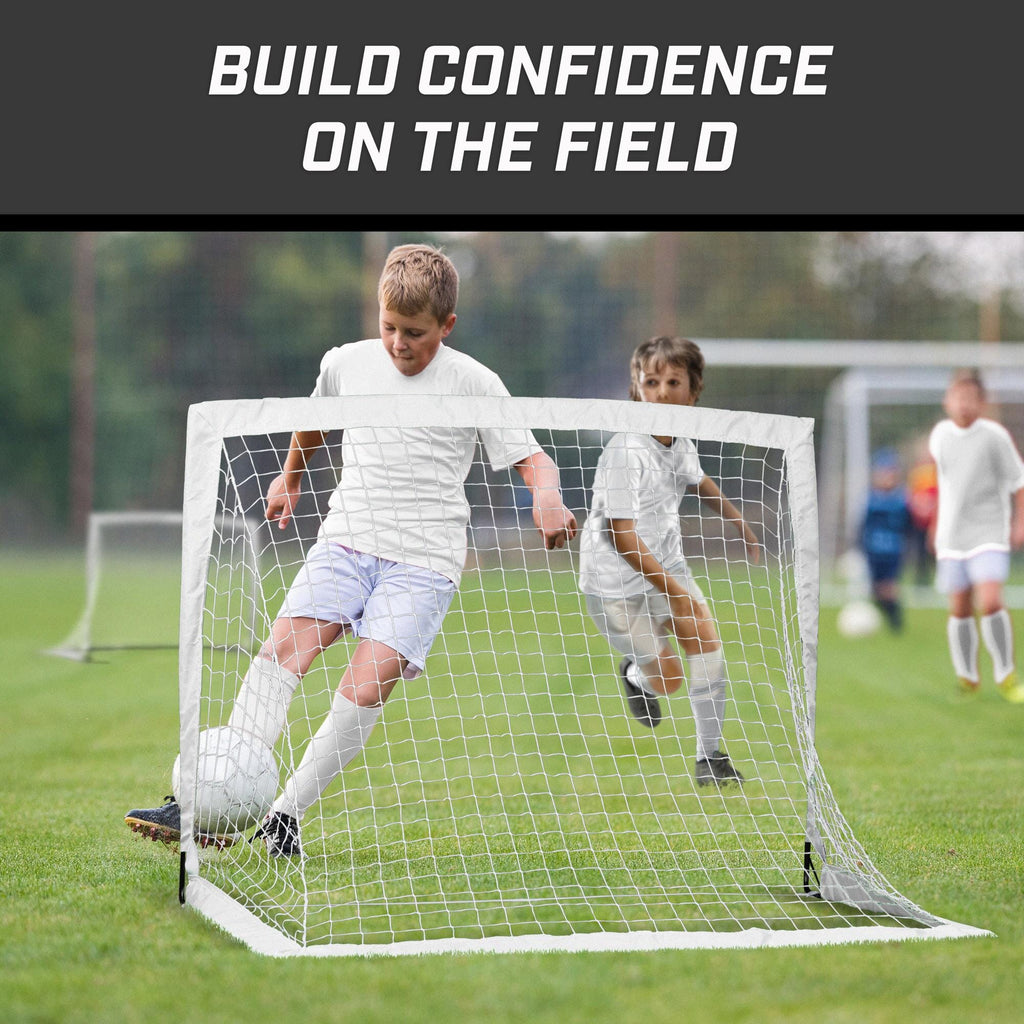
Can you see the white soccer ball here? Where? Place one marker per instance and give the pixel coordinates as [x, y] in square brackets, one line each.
[859, 618]
[236, 781]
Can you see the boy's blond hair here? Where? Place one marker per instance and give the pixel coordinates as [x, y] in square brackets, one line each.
[665, 351]
[418, 278]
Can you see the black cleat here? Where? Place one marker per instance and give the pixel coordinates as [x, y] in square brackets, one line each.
[643, 706]
[163, 825]
[717, 770]
[280, 835]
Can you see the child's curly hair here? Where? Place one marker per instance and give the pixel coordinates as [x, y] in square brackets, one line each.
[665, 351]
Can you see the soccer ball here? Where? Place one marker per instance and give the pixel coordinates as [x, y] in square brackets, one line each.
[236, 781]
[859, 618]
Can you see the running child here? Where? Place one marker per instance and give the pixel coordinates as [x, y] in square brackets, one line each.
[639, 589]
[884, 534]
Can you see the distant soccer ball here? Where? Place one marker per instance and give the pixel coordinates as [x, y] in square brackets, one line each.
[859, 618]
[236, 781]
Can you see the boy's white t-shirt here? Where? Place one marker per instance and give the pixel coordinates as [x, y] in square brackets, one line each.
[641, 479]
[979, 468]
[401, 494]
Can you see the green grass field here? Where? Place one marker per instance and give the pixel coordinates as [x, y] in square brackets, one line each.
[930, 782]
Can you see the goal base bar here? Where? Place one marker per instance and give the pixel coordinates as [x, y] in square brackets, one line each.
[214, 904]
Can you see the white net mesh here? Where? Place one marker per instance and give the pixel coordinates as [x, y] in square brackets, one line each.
[506, 798]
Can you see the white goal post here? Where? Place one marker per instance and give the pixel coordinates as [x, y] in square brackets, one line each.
[507, 801]
[136, 553]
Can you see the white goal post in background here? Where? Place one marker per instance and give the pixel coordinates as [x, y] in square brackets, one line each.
[883, 394]
[506, 800]
[867, 408]
[132, 559]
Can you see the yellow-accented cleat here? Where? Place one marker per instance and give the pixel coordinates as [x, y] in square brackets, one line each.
[1011, 689]
[968, 685]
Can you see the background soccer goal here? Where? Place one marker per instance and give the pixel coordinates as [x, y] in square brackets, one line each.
[132, 574]
[507, 800]
[868, 408]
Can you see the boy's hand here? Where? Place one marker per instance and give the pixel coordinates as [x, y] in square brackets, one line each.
[282, 497]
[556, 523]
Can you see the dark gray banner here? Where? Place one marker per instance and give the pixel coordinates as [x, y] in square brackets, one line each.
[648, 109]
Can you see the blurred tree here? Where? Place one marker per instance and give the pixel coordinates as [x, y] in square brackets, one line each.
[183, 317]
[35, 352]
[83, 380]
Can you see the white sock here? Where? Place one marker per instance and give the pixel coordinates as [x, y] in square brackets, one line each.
[261, 706]
[997, 631]
[963, 647]
[339, 739]
[636, 675]
[706, 674]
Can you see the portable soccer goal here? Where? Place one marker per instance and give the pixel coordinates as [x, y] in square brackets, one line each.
[507, 801]
[133, 579]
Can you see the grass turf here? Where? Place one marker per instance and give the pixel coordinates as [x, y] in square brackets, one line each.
[92, 931]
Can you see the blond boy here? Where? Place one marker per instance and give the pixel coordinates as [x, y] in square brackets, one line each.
[391, 548]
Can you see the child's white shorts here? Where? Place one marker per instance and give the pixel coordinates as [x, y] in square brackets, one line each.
[393, 603]
[639, 625]
[956, 574]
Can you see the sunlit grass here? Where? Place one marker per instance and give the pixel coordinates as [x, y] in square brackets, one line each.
[91, 928]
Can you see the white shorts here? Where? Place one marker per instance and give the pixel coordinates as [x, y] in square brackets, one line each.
[953, 575]
[638, 626]
[393, 603]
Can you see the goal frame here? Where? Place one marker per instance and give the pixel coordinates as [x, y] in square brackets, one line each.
[210, 423]
[78, 645]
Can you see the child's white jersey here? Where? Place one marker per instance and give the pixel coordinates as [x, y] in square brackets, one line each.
[401, 494]
[979, 468]
[641, 479]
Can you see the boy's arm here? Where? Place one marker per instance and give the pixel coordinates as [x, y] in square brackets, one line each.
[285, 489]
[711, 494]
[557, 525]
[1017, 525]
[639, 557]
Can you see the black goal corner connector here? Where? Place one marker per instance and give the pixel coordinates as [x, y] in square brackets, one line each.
[181, 881]
[809, 873]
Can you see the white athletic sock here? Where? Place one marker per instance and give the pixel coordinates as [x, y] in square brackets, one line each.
[341, 736]
[707, 681]
[963, 647]
[997, 631]
[261, 706]
[636, 675]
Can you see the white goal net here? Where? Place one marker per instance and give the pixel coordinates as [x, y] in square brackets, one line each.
[506, 799]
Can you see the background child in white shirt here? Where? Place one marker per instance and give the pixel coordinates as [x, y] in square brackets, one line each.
[640, 591]
[980, 519]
